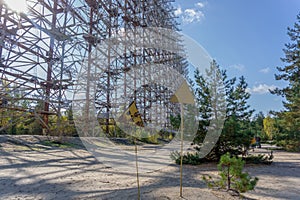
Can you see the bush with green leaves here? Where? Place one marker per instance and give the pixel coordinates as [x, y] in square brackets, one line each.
[232, 177]
[188, 158]
[289, 145]
[259, 159]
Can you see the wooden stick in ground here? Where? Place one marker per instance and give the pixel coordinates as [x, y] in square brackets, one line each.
[183, 96]
[137, 170]
[181, 147]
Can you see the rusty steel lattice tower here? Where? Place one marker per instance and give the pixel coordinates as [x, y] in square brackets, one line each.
[42, 51]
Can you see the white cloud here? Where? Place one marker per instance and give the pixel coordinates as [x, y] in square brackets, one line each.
[238, 67]
[261, 89]
[248, 90]
[265, 70]
[178, 11]
[200, 4]
[192, 15]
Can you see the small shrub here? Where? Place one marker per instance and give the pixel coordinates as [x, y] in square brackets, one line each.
[194, 158]
[290, 145]
[259, 159]
[232, 177]
[188, 158]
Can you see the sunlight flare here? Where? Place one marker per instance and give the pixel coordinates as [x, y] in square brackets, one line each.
[20, 6]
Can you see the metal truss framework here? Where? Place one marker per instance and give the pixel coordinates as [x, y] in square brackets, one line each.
[43, 49]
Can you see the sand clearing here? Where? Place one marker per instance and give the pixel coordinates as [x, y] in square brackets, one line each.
[29, 170]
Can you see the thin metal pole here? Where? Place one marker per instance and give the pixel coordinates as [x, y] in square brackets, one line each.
[137, 171]
[181, 148]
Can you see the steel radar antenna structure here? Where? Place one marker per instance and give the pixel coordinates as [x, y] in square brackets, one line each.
[43, 46]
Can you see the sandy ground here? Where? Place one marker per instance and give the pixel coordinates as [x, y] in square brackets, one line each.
[29, 170]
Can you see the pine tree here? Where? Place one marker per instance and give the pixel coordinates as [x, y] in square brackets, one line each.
[291, 73]
[241, 114]
[217, 89]
[204, 104]
[236, 134]
[232, 177]
[237, 99]
[257, 126]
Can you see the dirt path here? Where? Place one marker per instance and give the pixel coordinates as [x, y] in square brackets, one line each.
[281, 180]
[39, 172]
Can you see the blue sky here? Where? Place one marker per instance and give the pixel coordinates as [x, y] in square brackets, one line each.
[244, 37]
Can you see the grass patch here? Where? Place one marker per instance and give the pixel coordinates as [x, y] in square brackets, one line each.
[58, 144]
